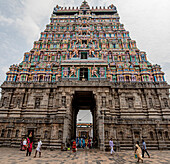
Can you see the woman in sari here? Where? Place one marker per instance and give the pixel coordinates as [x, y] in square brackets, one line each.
[138, 152]
[29, 147]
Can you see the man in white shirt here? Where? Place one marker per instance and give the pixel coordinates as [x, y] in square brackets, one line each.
[38, 149]
[111, 146]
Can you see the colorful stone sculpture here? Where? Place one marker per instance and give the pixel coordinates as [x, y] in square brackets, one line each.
[77, 39]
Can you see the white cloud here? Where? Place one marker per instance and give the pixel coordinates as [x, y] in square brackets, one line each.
[5, 21]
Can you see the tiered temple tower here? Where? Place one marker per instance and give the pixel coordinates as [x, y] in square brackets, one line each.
[85, 59]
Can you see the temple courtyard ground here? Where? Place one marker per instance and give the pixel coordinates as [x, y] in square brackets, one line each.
[14, 156]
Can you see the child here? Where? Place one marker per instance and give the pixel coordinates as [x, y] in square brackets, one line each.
[25, 144]
[38, 148]
[74, 146]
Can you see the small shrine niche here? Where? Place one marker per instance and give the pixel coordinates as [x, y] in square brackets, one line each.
[37, 103]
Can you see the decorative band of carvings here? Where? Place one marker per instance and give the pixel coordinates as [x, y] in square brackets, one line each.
[102, 83]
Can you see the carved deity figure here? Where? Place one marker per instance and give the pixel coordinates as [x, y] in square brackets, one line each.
[94, 72]
[18, 102]
[109, 75]
[37, 103]
[165, 103]
[103, 101]
[58, 75]
[93, 54]
[72, 71]
[84, 45]
[74, 54]
[26, 57]
[65, 72]
[63, 100]
[4, 103]
[150, 103]
[102, 72]
[36, 58]
[57, 8]
[130, 103]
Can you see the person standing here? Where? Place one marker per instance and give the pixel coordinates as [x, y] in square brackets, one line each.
[28, 146]
[38, 149]
[80, 142]
[84, 144]
[21, 145]
[25, 144]
[111, 146]
[89, 143]
[117, 145]
[74, 146]
[138, 152]
[144, 149]
[77, 141]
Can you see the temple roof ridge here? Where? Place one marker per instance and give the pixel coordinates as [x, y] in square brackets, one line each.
[85, 6]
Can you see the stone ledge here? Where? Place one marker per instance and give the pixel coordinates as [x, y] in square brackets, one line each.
[130, 85]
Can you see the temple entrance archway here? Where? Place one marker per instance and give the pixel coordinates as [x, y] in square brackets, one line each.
[84, 100]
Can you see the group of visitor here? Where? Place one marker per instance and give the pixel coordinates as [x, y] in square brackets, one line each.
[27, 144]
[139, 153]
[83, 142]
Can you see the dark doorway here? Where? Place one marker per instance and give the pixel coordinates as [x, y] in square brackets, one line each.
[127, 78]
[83, 55]
[41, 78]
[137, 135]
[84, 41]
[84, 100]
[83, 74]
[84, 12]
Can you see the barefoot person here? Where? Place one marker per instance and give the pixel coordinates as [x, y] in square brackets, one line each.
[111, 146]
[138, 152]
[38, 149]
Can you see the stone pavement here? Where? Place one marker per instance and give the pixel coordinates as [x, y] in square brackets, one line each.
[14, 156]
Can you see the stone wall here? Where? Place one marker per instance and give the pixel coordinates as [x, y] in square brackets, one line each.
[131, 111]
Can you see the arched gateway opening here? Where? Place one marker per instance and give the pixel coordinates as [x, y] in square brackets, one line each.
[84, 100]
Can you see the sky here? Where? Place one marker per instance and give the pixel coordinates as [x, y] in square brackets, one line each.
[84, 116]
[22, 21]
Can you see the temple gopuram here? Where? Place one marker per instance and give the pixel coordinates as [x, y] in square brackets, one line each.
[85, 60]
